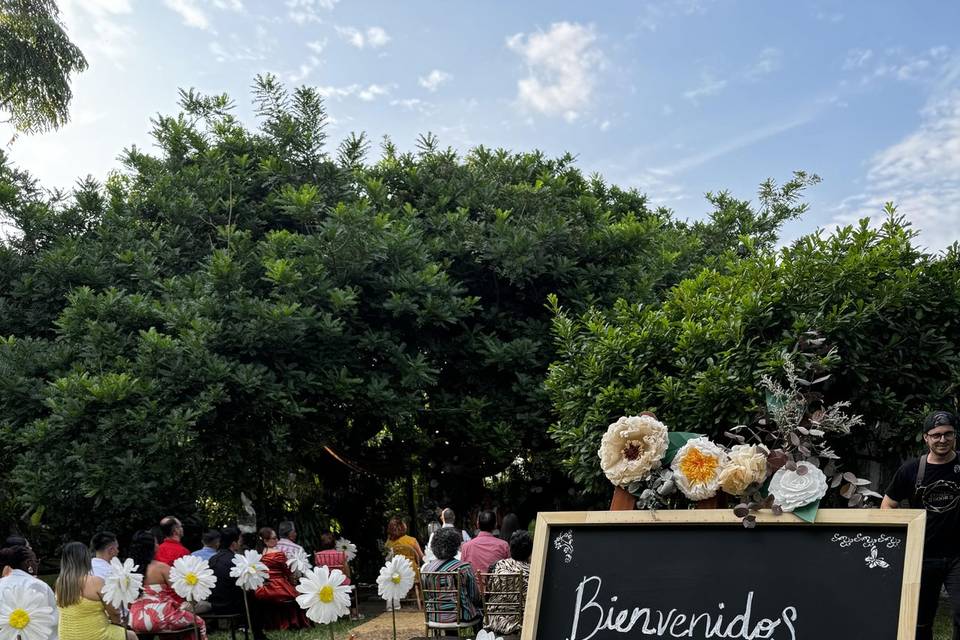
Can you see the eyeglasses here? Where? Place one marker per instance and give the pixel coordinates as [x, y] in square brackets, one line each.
[949, 435]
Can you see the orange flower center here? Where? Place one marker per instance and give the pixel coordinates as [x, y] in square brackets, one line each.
[698, 467]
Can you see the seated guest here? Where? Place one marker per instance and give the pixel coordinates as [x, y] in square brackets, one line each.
[521, 546]
[159, 608]
[277, 597]
[328, 556]
[397, 538]
[485, 549]
[83, 614]
[211, 542]
[226, 598]
[18, 566]
[170, 550]
[446, 543]
[288, 538]
[105, 548]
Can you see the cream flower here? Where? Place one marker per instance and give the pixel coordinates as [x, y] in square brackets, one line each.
[323, 594]
[631, 447]
[747, 465]
[192, 578]
[298, 561]
[697, 468]
[24, 615]
[792, 490]
[483, 634]
[249, 570]
[348, 548]
[122, 586]
[395, 579]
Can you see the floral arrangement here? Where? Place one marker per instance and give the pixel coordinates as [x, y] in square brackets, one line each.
[24, 615]
[783, 461]
[394, 583]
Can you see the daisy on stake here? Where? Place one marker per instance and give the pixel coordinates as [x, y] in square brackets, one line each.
[250, 573]
[324, 596]
[192, 579]
[394, 583]
[23, 615]
[122, 586]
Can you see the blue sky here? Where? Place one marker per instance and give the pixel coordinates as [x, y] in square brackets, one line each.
[676, 98]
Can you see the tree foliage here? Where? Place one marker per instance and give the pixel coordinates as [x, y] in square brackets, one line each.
[891, 312]
[36, 62]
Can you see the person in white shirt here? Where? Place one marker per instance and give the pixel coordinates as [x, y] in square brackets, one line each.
[17, 568]
[105, 548]
[287, 542]
[448, 518]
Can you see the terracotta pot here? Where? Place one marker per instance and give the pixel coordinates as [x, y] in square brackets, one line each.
[623, 500]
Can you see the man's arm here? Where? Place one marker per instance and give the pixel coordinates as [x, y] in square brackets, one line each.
[889, 503]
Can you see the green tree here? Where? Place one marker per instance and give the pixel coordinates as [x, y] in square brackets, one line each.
[36, 62]
[891, 311]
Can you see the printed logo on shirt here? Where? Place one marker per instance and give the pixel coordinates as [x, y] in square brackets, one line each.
[940, 496]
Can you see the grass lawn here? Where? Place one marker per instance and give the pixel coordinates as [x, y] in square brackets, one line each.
[341, 631]
[943, 627]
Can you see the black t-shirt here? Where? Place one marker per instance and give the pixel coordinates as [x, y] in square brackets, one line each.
[939, 494]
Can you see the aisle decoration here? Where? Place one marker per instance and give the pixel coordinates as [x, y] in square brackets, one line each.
[251, 573]
[394, 583]
[784, 460]
[193, 580]
[348, 548]
[299, 562]
[324, 596]
[122, 586]
[24, 615]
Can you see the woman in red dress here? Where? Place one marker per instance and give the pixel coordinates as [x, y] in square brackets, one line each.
[277, 596]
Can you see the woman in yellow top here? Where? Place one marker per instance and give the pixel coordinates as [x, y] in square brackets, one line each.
[400, 544]
[83, 614]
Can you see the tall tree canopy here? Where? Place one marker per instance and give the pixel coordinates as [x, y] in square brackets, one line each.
[246, 311]
[36, 62]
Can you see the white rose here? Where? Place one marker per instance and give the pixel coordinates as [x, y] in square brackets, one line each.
[791, 490]
[631, 448]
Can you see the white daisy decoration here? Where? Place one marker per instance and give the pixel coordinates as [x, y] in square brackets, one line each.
[395, 579]
[24, 615]
[348, 548]
[192, 578]
[299, 561]
[122, 585]
[249, 570]
[323, 594]
[483, 634]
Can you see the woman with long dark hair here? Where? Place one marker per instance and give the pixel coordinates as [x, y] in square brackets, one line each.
[159, 608]
[83, 614]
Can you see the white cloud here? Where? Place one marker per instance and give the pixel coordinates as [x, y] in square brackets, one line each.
[414, 104]
[373, 37]
[562, 65]
[190, 12]
[242, 49]
[655, 12]
[228, 5]
[709, 86]
[97, 27]
[767, 63]
[857, 58]
[920, 174]
[306, 11]
[367, 94]
[317, 46]
[303, 71]
[433, 80]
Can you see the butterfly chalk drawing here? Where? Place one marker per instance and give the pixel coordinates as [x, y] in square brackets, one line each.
[873, 561]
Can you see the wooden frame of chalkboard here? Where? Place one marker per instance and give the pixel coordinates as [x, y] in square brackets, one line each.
[911, 521]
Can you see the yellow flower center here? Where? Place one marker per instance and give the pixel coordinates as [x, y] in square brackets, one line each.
[697, 467]
[191, 579]
[395, 578]
[19, 619]
[252, 570]
[326, 594]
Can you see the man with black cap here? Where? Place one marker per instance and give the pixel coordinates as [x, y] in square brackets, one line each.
[932, 482]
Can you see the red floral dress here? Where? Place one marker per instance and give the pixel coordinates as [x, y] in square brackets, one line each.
[277, 596]
[158, 609]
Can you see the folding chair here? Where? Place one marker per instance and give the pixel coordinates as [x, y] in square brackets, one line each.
[442, 609]
[503, 599]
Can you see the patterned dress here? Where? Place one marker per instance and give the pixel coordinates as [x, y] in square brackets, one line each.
[159, 609]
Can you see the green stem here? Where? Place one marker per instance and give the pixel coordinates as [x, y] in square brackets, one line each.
[330, 624]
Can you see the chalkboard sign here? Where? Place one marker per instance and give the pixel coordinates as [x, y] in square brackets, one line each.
[853, 574]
